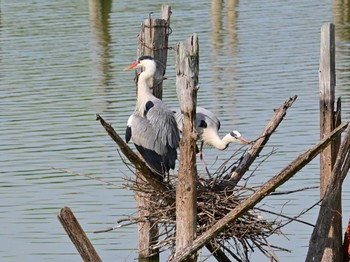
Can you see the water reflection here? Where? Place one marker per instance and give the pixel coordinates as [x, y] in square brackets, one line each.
[216, 21]
[224, 51]
[232, 16]
[341, 19]
[99, 11]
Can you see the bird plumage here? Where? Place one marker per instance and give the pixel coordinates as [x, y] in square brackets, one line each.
[207, 126]
[152, 126]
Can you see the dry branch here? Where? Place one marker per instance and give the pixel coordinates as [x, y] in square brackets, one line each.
[255, 150]
[260, 194]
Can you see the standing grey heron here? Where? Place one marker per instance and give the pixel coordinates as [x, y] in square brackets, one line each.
[207, 126]
[152, 127]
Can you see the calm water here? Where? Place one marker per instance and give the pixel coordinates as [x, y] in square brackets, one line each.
[61, 63]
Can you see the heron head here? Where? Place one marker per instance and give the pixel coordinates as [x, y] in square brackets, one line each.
[237, 135]
[142, 61]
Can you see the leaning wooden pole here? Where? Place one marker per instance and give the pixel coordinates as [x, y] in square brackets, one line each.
[187, 67]
[77, 235]
[152, 41]
[328, 121]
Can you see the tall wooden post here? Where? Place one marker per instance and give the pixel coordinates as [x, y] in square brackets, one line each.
[187, 67]
[328, 121]
[152, 41]
[327, 89]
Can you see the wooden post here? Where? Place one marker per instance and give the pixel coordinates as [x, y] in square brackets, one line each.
[77, 235]
[187, 67]
[152, 41]
[327, 89]
[328, 121]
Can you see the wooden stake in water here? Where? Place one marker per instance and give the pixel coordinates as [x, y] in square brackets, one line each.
[187, 67]
[328, 122]
[77, 235]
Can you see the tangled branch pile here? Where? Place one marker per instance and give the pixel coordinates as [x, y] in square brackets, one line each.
[240, 237]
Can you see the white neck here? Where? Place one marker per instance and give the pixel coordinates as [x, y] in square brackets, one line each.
[213, 139]
[144, 92]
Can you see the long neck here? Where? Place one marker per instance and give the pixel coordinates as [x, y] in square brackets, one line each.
[144, 92]
[213, 139]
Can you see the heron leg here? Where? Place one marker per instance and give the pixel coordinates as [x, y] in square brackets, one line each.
[201, 158]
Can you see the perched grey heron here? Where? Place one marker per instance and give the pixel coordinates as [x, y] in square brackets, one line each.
[207, 126]
[152, 127]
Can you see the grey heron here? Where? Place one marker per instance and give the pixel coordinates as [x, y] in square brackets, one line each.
[152, 127]
[207, 126]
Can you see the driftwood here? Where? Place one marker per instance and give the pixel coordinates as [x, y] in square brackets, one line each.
[77, 235]
[260, 194]
[258, 146]
[320, 242]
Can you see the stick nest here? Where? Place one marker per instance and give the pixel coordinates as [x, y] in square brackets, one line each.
[215, 199]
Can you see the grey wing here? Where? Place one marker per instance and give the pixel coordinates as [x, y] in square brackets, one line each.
[165, 127]
[142, 132]
[156, 137]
